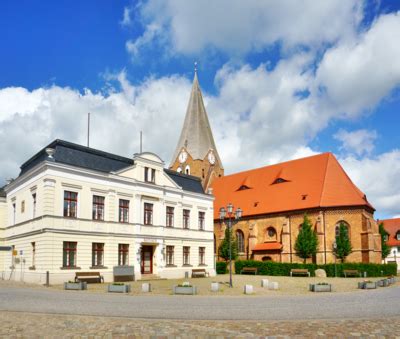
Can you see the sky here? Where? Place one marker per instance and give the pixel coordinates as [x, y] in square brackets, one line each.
[281, 80]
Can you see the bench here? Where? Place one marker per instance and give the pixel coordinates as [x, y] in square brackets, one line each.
[299, 271]
[351, 273]
[199, 272]
[246, 270]
[89, 277]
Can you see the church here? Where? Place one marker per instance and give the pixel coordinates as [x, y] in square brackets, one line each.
[274, 199]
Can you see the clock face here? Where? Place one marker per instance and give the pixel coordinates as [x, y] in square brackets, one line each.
[182, 157]
[211, 158]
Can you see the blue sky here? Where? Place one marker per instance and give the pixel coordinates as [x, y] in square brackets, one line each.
[281, 80]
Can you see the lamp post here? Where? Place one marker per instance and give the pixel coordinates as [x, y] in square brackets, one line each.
[233, 218]
[334, 251]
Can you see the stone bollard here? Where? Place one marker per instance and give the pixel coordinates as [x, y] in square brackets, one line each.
[248, 289]
[264, 283]
[214, 287]
[146, 287]
[273, 285]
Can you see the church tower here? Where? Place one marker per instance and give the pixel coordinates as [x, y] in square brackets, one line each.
[196, 153]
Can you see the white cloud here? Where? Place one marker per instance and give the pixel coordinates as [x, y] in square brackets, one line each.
[357, 74]
[359, 142]
[126, 18]
[190, 27]
[378, 177]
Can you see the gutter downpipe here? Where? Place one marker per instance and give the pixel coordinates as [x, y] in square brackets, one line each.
[323, 214]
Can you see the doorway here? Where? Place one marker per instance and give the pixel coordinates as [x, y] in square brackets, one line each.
[147, 260]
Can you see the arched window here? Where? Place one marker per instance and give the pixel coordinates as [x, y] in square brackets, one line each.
[187, 169]
[266, 259]
[179, 170]
[240, 241]
[338, 226]
[271, 233]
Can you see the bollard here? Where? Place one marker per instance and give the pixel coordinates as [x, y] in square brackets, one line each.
[264, 283]
[47, 278]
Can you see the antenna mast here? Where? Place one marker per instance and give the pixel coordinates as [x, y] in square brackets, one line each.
[88, 128]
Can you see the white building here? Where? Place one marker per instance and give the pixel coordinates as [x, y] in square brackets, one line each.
[77, 209]
[392, 227]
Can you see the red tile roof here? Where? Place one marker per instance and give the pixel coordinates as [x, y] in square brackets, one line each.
[268, 246]
[312, 182]
[392, 226]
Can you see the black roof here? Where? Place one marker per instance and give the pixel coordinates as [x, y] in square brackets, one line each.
[2, 192]
[187, 182]
[85, 157]
[80, 156]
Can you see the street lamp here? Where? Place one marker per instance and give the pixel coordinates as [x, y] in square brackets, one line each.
[233, 218]
[334, 250]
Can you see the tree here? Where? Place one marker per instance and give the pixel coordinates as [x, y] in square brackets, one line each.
[343, 245]
[384, 245]
[223, 250]
[307, 241]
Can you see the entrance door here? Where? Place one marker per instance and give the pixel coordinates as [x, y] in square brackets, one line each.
[147, 260]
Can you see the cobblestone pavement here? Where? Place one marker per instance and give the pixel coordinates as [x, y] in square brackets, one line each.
[30, 325]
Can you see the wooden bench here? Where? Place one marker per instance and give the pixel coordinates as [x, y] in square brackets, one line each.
[199, 272]
[351, 273]
[246, 270]
[89, 277]
[299, 271]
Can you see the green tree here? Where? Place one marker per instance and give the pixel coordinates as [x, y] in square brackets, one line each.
[223, 250]
[307, 241]
[343, 245]
[384, 245]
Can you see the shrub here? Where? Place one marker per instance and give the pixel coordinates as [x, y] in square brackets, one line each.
[283, 269]
[221, 267]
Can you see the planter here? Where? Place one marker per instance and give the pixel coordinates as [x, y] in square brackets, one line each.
[320, 288]
[248, 289]
[123, 273]
[391, 280]
[119, 288]
[146, 287]
[383, 283]
[76, 286]
[367, 285]
[185, 290]
[214, 287]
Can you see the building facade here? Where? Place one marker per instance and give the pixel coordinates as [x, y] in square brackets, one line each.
[274, 200]
[392, 227]
[75, 209]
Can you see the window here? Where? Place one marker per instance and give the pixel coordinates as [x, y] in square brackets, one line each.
[186, 218]
[187, 170]
[33, 244]
[271, 233]
[170, 255]
[14, 212]
[23, 206]
[70, 204]
[385, 237]
[123, 210]
[398, 236]
[179, 170]
[98, 208]
[97, 254]
[266, 259]
[202, 255]
[201, 220]
[69, 254]
[170, 217]
[34, 205]
[123, 254]
[337, 227]
[149, 175]
[186, 255]
[148, 214]
[240, 241]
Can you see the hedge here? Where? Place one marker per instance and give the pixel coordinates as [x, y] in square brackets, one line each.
[274, 268]
[221, 267]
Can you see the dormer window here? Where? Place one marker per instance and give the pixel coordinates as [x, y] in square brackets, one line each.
[149, 175]
[279, 181]
[398, 236]
[243, 187]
